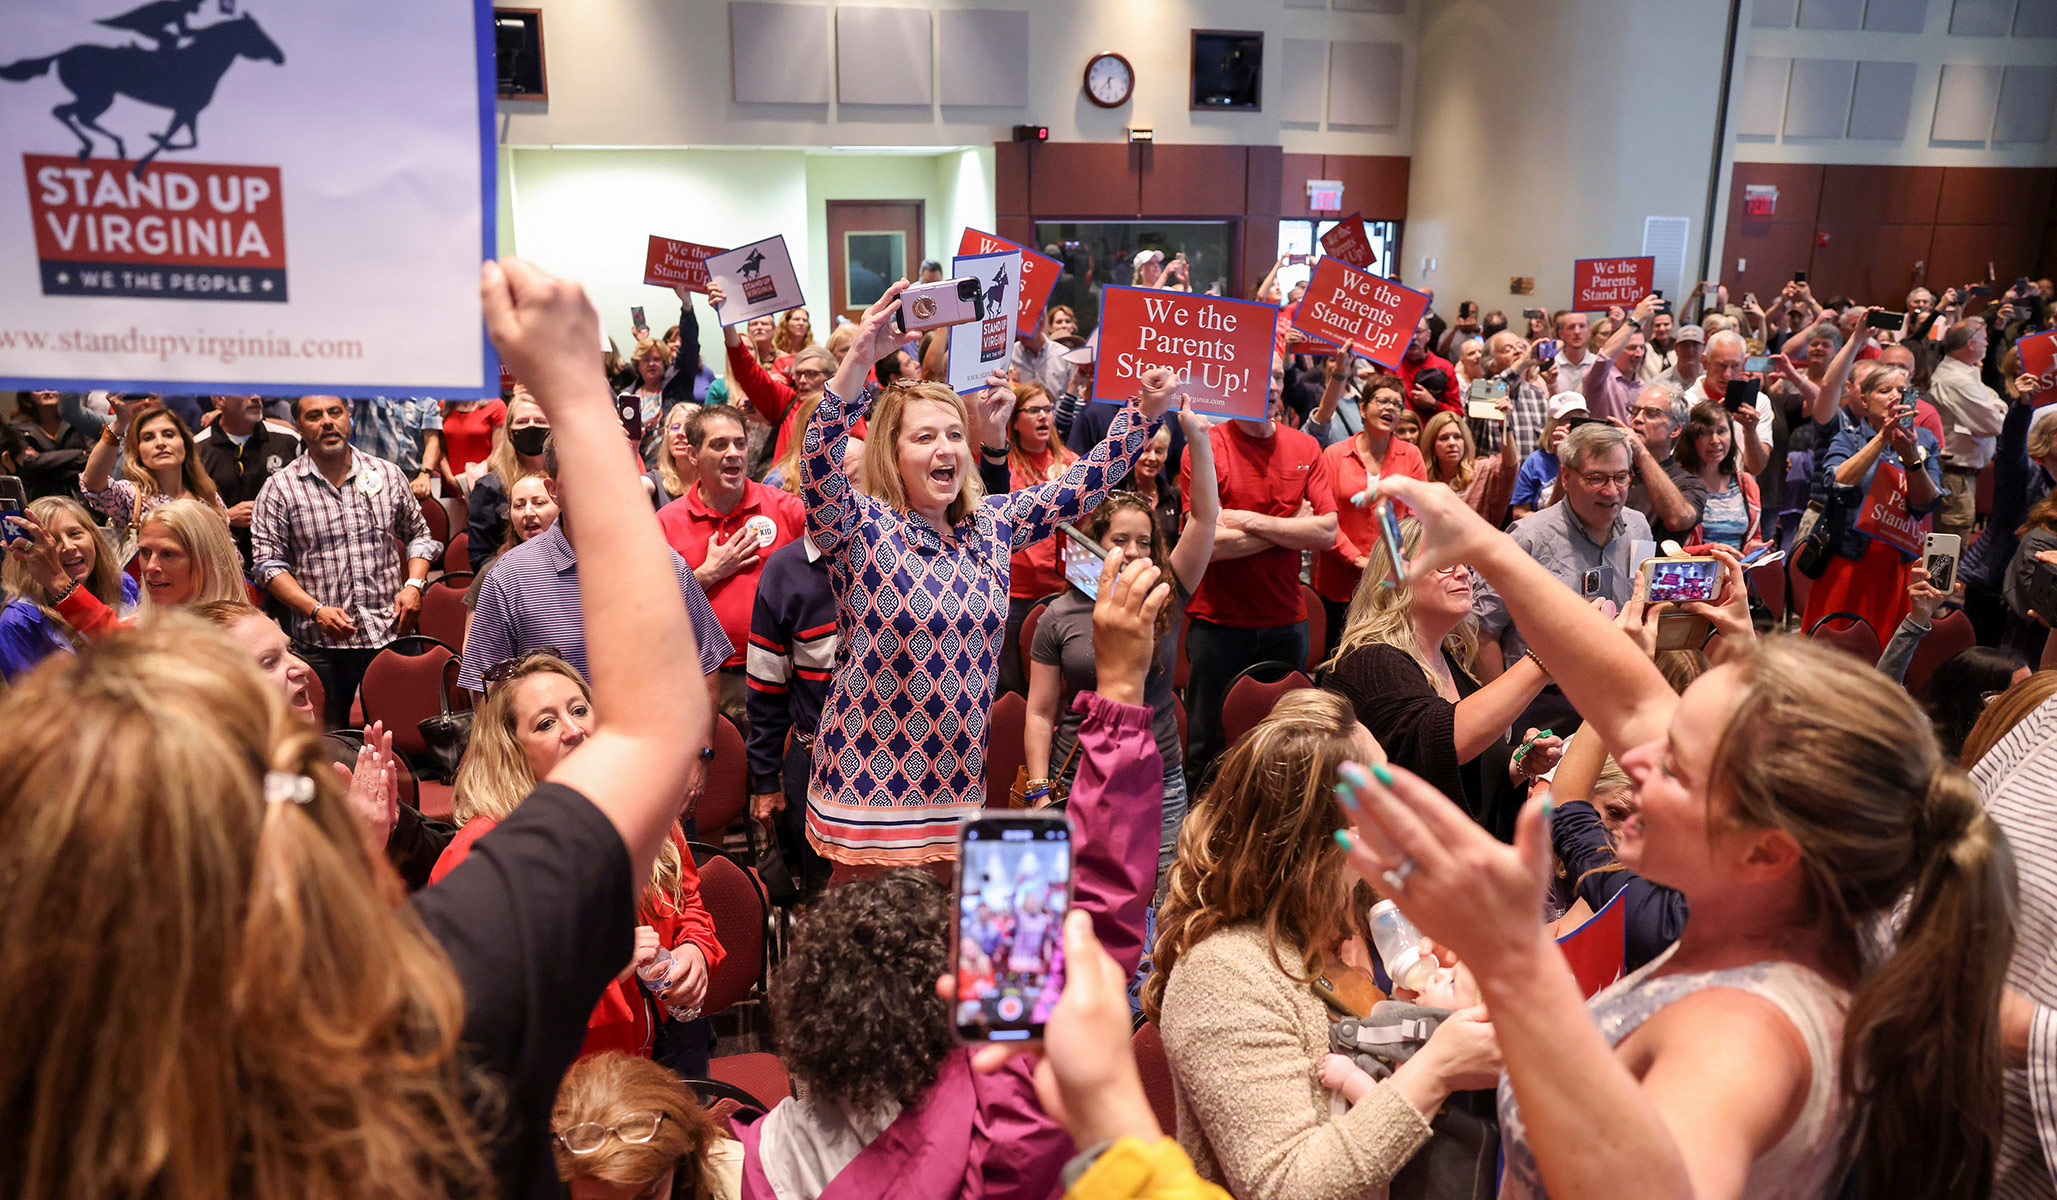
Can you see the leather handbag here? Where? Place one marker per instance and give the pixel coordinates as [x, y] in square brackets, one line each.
[447, 734]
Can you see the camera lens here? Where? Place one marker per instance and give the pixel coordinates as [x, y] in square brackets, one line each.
[967, 288]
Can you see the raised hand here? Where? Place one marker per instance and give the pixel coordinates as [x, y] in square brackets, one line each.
[1194, 425]
[1125, 626]
[546, 330]
[1452, 531]
[991, 407]
[36, 551]
[1159, 385]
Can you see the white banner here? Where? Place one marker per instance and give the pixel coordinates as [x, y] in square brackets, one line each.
[246, 195]
[758, 279]
[979, 348]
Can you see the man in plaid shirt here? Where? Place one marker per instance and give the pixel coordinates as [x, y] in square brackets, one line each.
[327, 538]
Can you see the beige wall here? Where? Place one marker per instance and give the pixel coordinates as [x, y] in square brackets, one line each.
[656, 73]
[1547, 130]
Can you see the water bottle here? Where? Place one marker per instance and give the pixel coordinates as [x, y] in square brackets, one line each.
[653, 973]
[1399, 947]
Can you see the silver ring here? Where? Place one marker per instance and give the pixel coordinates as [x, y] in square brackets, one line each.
[1397, 877]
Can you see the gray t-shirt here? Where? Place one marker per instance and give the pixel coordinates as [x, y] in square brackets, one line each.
[1556, 538]
[1064, 639]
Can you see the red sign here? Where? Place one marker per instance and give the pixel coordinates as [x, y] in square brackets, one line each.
[1374, 317]
[2039, 358]
[1219, 348]
[191, 231]
[670, 263]
[1885, 516]
[1599, 284]
[1038, 274]
[1349, 242]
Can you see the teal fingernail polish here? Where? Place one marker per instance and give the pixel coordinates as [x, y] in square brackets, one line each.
[1343, 839]
[1346, 794]
[1384, 776]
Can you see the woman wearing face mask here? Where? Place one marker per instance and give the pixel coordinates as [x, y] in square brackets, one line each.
[1034, 457]
[1128, 527]
[517, 451]
[1487, 484]
[536, 711]
[184, 556]
[919, 568]
[30, 628]
[158, 465]
[530, 511]
[674, 474]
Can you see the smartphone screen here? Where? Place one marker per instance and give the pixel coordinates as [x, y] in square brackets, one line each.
[1758, 363]
[14, 502]
[1013, 887]
[1676, 579]
[636, 320]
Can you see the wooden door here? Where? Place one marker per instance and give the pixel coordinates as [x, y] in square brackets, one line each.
[872, 243]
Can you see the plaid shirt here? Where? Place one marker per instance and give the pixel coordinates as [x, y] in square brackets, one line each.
[1525, 423]
[393, 429]
[339, 543]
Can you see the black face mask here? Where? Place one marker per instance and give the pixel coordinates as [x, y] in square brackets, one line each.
[529, 439]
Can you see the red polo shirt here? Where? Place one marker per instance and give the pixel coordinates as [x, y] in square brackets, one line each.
[1335, 569]
[688, 524]
[1270, 475]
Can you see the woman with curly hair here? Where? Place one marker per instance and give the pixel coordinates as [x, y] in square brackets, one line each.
[1249, 924]
[890, 1103]
[625, 1126]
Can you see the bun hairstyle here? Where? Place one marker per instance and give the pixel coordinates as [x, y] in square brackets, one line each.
[1837, 756]
[205, 991]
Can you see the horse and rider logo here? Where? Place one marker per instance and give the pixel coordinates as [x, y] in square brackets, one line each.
[757, 286]
[122, 227]
[994, 331]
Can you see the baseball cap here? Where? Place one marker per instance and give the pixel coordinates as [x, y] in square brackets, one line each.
[1563, 404]
[1689, 333]
[1143, 256]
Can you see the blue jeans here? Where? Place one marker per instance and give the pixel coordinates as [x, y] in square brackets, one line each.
[1175, 806]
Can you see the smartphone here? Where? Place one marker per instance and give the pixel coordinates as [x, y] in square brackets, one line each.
[1939, 555]
[1482, 399]
[2039, 593]
[630, 410]
[1908, 395]
[636, 321]
[1978, 289]
[1757, 363]
[1679, 579]
[1885, 320]
[1799, 277]
[14, 502]
[944, 302]
[1740, 392]
[1013, 888]
[1546, 350]
[1710, 290]
[1298, 260]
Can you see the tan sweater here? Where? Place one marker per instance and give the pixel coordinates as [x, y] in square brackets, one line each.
[1244, 1040]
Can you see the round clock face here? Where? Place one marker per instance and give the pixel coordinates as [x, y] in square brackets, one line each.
[1109, 80]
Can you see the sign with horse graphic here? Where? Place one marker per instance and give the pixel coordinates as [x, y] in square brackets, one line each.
[327, 166]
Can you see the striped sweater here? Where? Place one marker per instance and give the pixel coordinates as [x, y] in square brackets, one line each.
[791, 657]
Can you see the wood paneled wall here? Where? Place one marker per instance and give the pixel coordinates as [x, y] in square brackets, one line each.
[1873, 232]
[1256, 186]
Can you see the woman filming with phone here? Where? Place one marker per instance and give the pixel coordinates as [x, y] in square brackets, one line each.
[918, 562]
[1796, 798]
[1887, 476]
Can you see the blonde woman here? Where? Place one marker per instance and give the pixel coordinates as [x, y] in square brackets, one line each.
[32, 582]
[185, 554]
[627, 1127]
[675, 472]
[158, 462]
[924, 643]
[1451, 457]
[537, 710]
[1406, 663]
[517, 451]
[1249, 924]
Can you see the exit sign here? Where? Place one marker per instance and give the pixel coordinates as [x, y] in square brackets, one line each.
[1760, 199]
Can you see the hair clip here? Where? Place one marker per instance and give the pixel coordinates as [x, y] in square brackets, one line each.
[283, 786]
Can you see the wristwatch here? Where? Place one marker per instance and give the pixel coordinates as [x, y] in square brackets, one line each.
[419, 585]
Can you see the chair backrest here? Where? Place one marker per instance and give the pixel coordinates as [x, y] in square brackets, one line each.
[711, 1092]
[1850, 633]
[1028, 631]
[457, 555]
[727, 795]
[1155, 1068]
[1800, 583]
[1769, 584]
[443, 615]
[1948, 636]
[1598, 949]
[403, 685]
[1982, 494]
[760, 1074]
[1253, 693]
[1004, 750]
[1183, 669]
[438, 519]
[738, 909]
[1317, 625]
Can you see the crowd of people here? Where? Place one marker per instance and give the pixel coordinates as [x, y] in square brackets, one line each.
[1833, 974]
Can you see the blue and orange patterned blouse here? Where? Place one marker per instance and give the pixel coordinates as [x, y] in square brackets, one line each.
[900, 755]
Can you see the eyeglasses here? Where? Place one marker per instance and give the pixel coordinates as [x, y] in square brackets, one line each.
[589, 1136]
[809, 373]
[1597, 480]
[1038, 410]
[1650, 414]
[508, 668]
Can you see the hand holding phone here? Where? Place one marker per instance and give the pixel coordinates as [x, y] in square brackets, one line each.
[1013, 889]
[14, 502]
[1939, 554]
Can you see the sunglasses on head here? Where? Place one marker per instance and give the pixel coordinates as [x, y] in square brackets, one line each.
[508, 668]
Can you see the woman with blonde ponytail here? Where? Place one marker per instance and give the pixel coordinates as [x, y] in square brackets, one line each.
[1832, 1005]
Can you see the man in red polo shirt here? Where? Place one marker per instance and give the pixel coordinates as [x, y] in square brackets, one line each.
[725, 526]
[1277, 500]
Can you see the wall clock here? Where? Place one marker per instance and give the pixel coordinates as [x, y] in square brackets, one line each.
[1110, 80]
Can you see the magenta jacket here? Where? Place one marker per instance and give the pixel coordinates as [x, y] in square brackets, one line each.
[984, 1137]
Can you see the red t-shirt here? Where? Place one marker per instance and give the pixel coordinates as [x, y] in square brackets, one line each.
[1269, 475]
[468, 436]
[688, 524]
[1335, 569]
[1038, 570]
